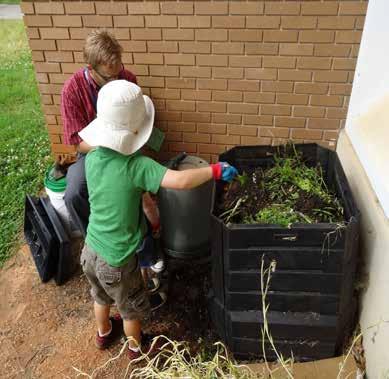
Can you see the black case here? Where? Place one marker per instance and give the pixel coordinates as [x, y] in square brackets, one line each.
[48, 241]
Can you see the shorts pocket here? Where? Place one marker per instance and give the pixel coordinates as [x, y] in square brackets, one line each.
[109, 278]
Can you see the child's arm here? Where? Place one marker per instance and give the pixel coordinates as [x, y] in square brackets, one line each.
[151, 211]
[192, 178]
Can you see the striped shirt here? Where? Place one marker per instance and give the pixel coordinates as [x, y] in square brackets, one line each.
[78, 103]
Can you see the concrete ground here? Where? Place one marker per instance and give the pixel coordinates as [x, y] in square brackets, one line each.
[10, 12]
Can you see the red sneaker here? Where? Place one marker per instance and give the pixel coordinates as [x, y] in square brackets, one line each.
[149, 348]
[117, 330]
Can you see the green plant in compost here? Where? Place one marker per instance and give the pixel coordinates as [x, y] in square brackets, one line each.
[288, 192]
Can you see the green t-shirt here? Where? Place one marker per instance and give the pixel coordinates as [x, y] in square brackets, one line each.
[116, 183]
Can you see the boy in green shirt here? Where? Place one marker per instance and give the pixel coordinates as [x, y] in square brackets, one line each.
[117, 175]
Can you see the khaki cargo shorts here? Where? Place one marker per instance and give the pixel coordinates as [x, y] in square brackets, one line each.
[121, 285]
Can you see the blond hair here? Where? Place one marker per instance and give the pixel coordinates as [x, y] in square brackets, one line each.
[102, 48]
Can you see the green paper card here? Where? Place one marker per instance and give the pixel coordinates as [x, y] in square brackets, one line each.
[156, 139]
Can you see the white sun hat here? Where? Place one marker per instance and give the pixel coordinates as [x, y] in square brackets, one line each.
[124, 119]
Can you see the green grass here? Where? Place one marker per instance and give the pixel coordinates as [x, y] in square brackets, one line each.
[24, 145]
[9, 1]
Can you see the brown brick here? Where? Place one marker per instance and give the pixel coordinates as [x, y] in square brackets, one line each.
[307, 134]
[62, 149]
[37, 20]
[354, 51]
[317, 36]
[308, 111]
[37, 56]
[180, 83]
[261, 73]
[49, 7]
[312, 63]
[173, 137]
[243, 85]
[54, 33]
[318, 8]
[140, 69]
[127, 58]
[277, 110]
[32, 33]
[162, 46]
[242, 108]
[227, 96]
[344, 63]
[172, 7]
[261, 48]
[322, 123]
[179, 105]
[164, 71]
[340, 89]
[353, 8]
[281, 36]
[150, 58]
[290, 122]
[211, 34]
[137, 46]
[50, 119]
[188, 147]
[245, 61]
[67, 21]
[339, 22]
[228, 73]
[212, 60]
[242, 130]
[331, 50]
[54, 129]
[47, 67]
[80, 7]
[194, 21]
[258, 120]
[331, 135]
[82, 33]
[311, 88]
[71, 67]
[178, 34]
[180, 59]
[42, 45]
[195, 72]
[274, 132]
[274, 86]
[146, 34]
[247, 140]
[211, 8]
[227, 118]
[279, 62]
[211, 128]
[259, 97]
[54, 138]
[348, 36]
[161, 21]
[143, 8]
[52, 109]
[168, 116]
[59, 56]
[296, 49]
[329, 101]
[298, 22]
[244, 35]
[42, 77]
[218, 84]
[360, 22]
[172, 94]
[331, 76]
[150, 81]
[27, 8]
[111, 8]
[196, 117]
[99, 21]
[230, 22]
[233, 140]
[212, 149]
[58, 78]
[50, 89]
[182, 126]
[286, 98]
[246, 8]
[263, 22]
[204, 95]
[295, 75]
[128, 21]
[227, 48]
[284, 8]
[339, 113]
[195, 47]
[211, 106]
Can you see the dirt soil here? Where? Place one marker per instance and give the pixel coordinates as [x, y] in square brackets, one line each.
[46, 331]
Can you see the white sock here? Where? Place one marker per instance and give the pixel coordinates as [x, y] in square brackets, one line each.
[106, 334]
[134, 349]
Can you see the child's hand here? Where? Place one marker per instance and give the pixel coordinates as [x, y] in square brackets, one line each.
[223, 171]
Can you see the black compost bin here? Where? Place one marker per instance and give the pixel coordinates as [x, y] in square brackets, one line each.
[311, 301]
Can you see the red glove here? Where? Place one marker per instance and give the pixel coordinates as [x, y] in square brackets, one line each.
[216, 170]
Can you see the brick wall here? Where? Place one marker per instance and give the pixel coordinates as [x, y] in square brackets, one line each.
[221, 73]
